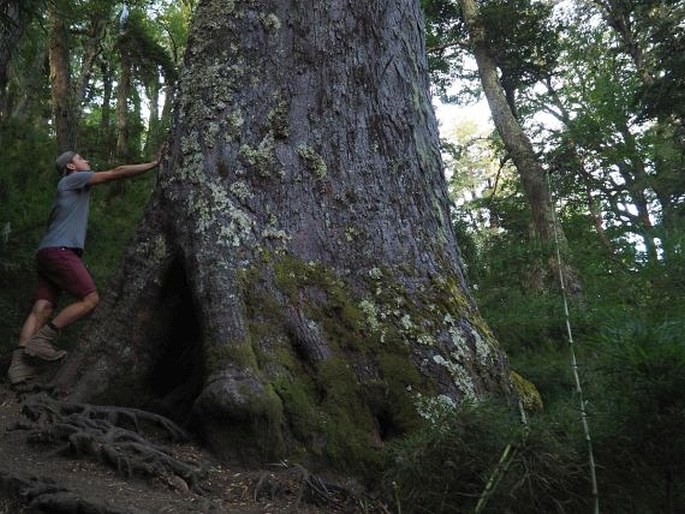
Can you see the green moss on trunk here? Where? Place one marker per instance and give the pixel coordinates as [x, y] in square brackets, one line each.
[339, 409]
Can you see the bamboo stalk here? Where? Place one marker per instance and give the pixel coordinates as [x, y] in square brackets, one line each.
[500, 470]
[505, 461]
[574, 362]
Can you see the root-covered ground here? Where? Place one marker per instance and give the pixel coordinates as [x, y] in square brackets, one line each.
[63, 457]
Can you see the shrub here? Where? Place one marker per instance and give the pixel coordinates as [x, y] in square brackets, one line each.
[447, 465]
[638, 381]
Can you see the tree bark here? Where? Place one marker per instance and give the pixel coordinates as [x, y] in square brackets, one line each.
[295, 283]
[518, 146]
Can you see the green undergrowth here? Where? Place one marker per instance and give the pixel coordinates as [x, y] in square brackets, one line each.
[481, 456]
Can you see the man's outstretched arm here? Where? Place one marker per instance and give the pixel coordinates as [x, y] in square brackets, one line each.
[123, 171]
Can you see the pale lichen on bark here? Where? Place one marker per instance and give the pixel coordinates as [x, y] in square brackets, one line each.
[314, 162]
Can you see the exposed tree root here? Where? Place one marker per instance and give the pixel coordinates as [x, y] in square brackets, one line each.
[117, 436]
[313, 489]
[35, 476]
[41, 494]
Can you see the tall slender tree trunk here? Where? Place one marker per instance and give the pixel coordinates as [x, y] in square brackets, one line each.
[519, 147]
[106, 132]
[92, 50]
[123, 90]
[60, 77]
[295, 284]
[12, 25]
[154, 123]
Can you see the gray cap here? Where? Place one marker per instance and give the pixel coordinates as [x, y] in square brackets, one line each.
[62, 161]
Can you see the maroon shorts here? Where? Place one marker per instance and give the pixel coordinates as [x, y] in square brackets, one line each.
[61, 269]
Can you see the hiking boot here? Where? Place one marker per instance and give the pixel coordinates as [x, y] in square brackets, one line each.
[40, 345]
[21, 369]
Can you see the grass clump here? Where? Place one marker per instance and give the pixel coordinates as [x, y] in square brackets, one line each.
[460, 453]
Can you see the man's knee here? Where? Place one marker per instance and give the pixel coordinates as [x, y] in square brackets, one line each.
[91, 300]
[42, 309]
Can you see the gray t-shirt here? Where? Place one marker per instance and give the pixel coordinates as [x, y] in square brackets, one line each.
[69, 217]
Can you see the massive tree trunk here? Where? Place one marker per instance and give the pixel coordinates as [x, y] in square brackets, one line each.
[295, 283]
[518, 146]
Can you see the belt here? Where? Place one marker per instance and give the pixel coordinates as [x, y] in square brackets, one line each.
[77, 251]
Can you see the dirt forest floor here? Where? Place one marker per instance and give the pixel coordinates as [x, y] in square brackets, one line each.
[37, 478]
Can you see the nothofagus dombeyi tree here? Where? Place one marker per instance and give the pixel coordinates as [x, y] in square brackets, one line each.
[295, 284]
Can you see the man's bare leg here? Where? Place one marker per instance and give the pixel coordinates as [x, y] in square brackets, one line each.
[77, 310]
[39, 315]
[41, 346]
[21, 369]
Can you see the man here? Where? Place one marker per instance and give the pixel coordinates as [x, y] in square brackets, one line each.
[59, 264]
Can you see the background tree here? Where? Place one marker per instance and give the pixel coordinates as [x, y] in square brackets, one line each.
[524, 53]
[590, 130]
[629, 159]
[14, 17]
[64, 114]
[651, 35]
